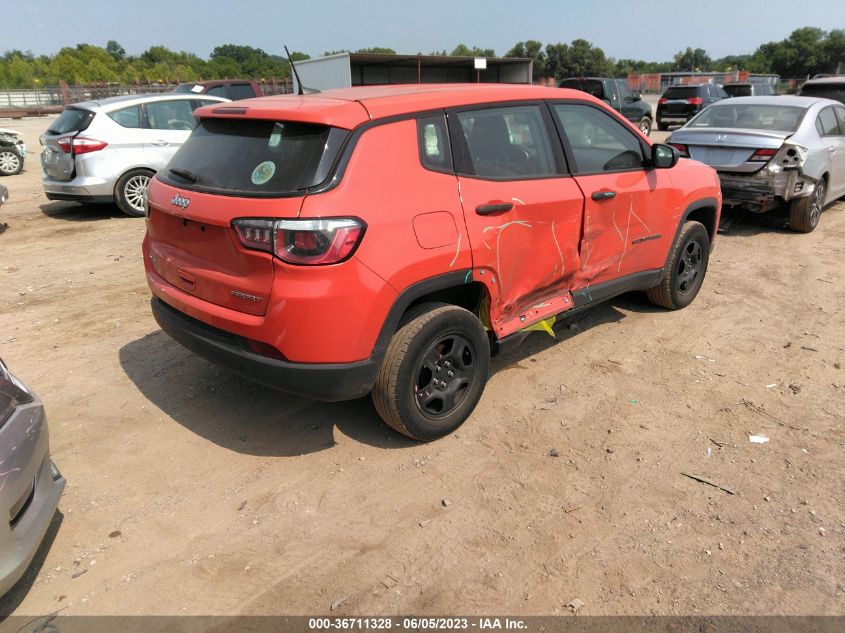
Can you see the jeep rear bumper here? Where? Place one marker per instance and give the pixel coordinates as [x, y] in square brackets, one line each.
[328, 382]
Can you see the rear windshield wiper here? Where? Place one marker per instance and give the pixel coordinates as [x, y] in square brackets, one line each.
[184, 174]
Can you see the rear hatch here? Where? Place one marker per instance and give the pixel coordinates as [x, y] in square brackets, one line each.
[56, 160]
[229, 169]
[680, 100]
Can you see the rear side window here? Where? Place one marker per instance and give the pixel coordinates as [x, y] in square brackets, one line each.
[241, 91]
[71, 120]
[171, 115]
[599, 142]
[433, 143]
[507, 143]
[254, 158]
[217, 91]
[127, 117]
[826, 124]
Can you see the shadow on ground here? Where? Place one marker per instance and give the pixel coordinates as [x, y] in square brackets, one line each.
[13, 599]
[246, 417]
[77, 212]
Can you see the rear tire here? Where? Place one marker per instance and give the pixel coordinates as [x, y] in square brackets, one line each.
[645, 125]
[687, 268]
[433, 373]
[128, 192]
[11, 162]
[804, 212]
[662, 126]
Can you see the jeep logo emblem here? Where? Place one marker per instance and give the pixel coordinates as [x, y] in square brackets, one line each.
[179, 201]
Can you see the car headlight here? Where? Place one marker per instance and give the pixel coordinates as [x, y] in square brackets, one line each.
[12, 393]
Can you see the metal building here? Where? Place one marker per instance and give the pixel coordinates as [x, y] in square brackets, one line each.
[359, 69]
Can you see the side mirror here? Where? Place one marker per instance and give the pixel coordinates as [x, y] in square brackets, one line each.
[636, 97]
[664, 156]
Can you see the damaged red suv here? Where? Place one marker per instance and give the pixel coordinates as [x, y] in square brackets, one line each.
[388, 240]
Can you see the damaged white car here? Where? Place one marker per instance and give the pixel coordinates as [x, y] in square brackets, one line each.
[772, 151]
[12, 152]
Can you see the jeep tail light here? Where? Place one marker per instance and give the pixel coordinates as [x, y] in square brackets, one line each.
[683, 149]
[304, 242]
[762, 155]
[695, 101]
[80, 145]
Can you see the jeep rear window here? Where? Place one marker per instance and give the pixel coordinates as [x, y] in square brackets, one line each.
[71, 120]
[254, 158]
[681, 92]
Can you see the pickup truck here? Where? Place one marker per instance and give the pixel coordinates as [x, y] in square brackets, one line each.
[616, 94]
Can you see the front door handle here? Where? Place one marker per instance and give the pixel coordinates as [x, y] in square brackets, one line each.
[603, 195]
[489, 209]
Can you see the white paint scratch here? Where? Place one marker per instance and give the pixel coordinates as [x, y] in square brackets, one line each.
[457, 250]
[559, 252]
[518, 200]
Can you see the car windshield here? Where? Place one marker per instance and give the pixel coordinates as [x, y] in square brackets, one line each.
[590, 86]
[254, 157]
[750, 116]
[739, 90]
[827, 91]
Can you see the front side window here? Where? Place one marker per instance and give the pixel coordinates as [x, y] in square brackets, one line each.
[171, 115]
[433, 143]
[507, 143]
[599, 143]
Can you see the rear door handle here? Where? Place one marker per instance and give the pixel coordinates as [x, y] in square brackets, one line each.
[603, 195]
[489, 209]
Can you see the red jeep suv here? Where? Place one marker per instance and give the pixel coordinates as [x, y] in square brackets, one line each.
[389, 239]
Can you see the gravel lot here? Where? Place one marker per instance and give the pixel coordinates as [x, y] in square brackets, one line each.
[192, 491]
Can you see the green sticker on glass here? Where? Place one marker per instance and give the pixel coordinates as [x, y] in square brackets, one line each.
[263, 172]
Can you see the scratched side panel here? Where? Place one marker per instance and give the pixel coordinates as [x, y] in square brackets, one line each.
[415, 227]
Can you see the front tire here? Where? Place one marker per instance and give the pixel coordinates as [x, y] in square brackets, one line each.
[11, 162]
[129, 191]
[433, 373]
[804, 212]
[687, 268]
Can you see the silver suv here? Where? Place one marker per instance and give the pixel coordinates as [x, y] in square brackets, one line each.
[107, 150]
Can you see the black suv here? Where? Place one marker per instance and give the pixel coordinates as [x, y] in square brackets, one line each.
[680, 103]
[617, 95]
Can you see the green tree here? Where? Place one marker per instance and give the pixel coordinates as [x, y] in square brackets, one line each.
[534, 50]
[693, 60]
[462, 50]
[115, 50]
[376, 50]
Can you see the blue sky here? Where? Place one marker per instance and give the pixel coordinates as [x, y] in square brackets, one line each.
[623, 28]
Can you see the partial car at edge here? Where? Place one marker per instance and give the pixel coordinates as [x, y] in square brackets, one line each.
[770, 151]
[107, 151]
[30, 483]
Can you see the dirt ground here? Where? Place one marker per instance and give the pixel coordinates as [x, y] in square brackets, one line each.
[191, 491]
